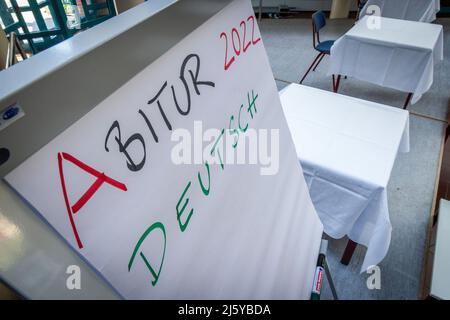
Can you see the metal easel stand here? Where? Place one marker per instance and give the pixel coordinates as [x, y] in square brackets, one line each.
[13, 45]
[328, 273]
[330, 280]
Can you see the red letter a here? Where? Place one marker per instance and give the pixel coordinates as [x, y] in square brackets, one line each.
[101, 178]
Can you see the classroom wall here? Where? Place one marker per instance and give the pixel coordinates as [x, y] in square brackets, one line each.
[340, 9]
[123, 5]
[303, 5]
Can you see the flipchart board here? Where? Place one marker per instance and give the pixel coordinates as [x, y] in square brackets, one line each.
[184, 183]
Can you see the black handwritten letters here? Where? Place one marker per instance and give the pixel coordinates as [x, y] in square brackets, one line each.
[189, 77]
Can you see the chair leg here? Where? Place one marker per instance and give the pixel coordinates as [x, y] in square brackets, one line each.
[309, 69]
[408, 100]
[318, 62]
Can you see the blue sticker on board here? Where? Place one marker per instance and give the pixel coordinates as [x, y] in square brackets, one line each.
[11, 112]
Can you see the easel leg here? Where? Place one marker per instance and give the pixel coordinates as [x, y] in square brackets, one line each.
[330, 280]
[348, 253]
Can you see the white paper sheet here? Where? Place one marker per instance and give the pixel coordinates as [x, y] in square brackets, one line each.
[249, 236]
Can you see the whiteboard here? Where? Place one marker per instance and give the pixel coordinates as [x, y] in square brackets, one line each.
[154, 228]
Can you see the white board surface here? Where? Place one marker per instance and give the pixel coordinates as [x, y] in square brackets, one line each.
[156, 229]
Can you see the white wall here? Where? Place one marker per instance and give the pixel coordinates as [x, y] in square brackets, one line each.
[304, 5]
[123, 5]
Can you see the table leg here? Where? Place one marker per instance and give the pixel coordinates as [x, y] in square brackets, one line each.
[260, 10]
[336, 83]
[408, 100]
[348, 253]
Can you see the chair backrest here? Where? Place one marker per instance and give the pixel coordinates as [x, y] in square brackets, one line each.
[318, 21]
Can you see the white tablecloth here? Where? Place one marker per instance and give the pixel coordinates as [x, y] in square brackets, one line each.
[347, 148]
[400, 54]
[414, 10]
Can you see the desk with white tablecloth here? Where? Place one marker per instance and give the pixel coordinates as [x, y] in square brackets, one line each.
[347, 148]
[414, 10]
[392, 53]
